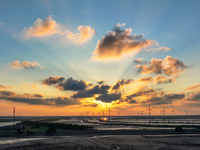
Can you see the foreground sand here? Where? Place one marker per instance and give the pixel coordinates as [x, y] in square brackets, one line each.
[103, 142]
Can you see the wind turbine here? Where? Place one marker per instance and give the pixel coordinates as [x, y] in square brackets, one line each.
[109, 113]
[99, 114]
[173, 113]
[141, 112]
[118, 113]
[163, 111]
[186, 112]
[103, 113]
[149, 112]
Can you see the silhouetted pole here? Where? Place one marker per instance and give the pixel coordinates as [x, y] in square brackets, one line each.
[149, 112]
[87, 113]
[93, 114]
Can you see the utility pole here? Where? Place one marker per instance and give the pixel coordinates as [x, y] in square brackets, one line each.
[149, 112]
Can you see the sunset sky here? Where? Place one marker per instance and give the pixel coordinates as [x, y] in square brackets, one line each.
[72, 57]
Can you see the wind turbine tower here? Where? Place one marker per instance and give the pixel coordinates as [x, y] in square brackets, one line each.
[173, 113]
[186, 112]
[99, 115]
[13, 115]
[118, 114]
[109, 113]
[141, 114]
[149, 112]
[163, 111]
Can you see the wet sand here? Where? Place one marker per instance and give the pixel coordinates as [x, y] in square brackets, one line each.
[103, 142]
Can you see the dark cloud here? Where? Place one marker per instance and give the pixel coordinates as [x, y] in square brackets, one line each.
[37, 99]
[7, 93]
[73, 85]
[96, 89]
[120, 83]
[109, 97]
[117, 43]
[132, 102]
[142, 92]
[69, 84]
[194, 97]
[166, 99]
[101, 81]
[38, 95]
[168, 66]
[53, 80]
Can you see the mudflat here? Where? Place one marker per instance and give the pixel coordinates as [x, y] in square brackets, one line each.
[103, 142]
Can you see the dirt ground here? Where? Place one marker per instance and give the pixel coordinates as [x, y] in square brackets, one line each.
[106, 142]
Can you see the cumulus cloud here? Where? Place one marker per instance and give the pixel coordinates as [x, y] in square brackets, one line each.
[5, 87]
[162, 79]
[166, 99]
[168, 66]
[117, 43]
[37, 99]
[24, 64]
[96, 89]
[41, 28]
[145, 79]
[85, 33]
[121, 83]
[163, 48]
[193, 87]
[52, 80]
